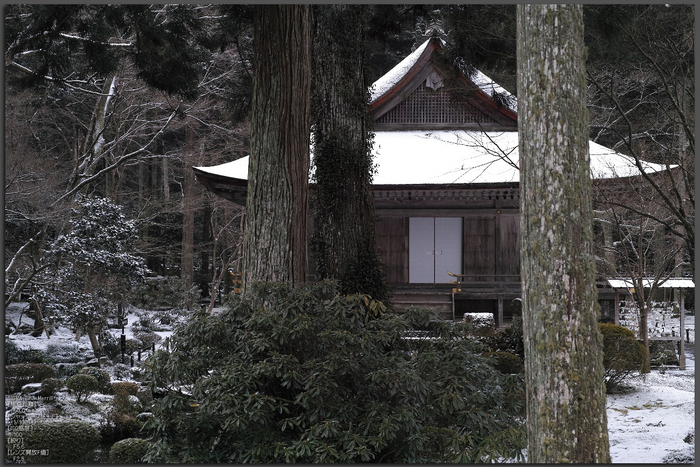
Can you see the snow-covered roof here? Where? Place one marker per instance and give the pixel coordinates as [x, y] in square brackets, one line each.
[668, 284]
[390, 79]
[394, 76]
[490, 87]
[446, 157]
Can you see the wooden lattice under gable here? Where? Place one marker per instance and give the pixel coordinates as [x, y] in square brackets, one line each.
[425, 106]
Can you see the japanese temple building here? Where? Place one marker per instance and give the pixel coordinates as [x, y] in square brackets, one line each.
[446, 189]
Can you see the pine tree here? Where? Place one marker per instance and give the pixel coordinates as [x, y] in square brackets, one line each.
[93, 268]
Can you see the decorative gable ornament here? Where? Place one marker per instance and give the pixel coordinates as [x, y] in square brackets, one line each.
[434, 81]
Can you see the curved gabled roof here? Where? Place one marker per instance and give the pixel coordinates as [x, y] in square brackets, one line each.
[437, 156]
[422, 67]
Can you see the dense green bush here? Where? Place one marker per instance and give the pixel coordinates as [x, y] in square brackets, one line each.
[102, 377]
[66, 370]
[49, 386]
[623, 355]
[20, 374]
[15, 355]
[506, 362]
[128, 386]
[147, 339]
[307, 375]
[116, 426]
[128, 451]
[61, 442]
[82, 385]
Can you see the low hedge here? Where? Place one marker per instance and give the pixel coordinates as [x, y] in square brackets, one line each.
[128, 386]
[71, 441]
[20, 374]
[128, 451]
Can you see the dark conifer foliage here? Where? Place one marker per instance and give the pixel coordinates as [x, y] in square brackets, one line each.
[72, 41]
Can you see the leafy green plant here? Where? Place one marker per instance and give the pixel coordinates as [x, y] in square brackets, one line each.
[623, 355]
[15, 355]
[506, 362]
[82, 385]
[128, 451]
[308, 375]
[102, 377]
[60, 442]
[116, 426]
[49, 386]
[130, 388]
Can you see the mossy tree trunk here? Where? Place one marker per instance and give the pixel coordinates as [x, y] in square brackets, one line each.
[275, 238]
[566, 419]
[343, 241]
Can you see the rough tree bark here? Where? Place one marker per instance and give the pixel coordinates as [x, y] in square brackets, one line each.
[566, 419]
[343, 242]
[275, 239]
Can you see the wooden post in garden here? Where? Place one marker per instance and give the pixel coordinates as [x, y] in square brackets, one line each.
[681, 352]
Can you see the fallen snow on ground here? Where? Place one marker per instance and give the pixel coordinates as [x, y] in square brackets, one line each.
[651, 423]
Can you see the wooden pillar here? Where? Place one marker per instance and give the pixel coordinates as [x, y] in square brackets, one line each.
[500, 312]
[617, 307]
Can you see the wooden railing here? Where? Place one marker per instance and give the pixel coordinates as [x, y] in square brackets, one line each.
[499, 281]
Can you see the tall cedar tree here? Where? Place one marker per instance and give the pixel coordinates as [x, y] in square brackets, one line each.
[566, 419]
[343, 242]
[275, 239]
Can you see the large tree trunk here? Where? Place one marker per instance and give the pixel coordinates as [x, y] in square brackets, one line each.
[566, 419]
[343, 242]
[275, 239]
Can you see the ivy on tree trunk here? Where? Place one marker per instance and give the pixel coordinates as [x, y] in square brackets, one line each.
[275, 239]
[343, 242]
[566, 418]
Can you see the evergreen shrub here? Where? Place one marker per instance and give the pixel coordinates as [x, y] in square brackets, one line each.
[506, 362]
[116, 426]
[15, 355]
[82, 385]
[147, 339]
[127, 386]
[623, 355]
[20, 374]
[71, 441]
[102, 377]
[306, 374]
[63, 353]
[49, 386]
[66, 370]
[128, 451]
